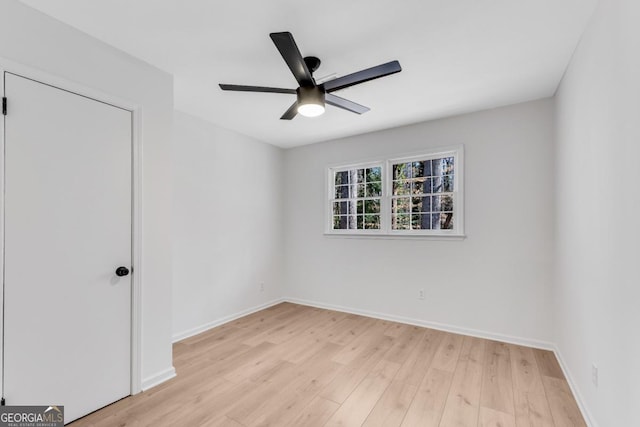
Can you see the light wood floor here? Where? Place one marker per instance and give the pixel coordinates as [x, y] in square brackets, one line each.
[291, 365]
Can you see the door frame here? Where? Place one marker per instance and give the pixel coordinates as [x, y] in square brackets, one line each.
[8, 66]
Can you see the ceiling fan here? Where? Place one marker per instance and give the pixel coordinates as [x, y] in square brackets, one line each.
[311, 97]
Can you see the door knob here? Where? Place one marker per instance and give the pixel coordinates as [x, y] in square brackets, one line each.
[122, 271]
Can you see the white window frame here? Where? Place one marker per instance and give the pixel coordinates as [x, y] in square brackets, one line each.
[331, 196]
[385, 231]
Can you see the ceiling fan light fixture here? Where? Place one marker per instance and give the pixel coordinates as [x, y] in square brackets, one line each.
[310, 101]
[311, 110]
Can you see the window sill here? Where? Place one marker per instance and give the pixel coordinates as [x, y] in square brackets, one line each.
[449, 237]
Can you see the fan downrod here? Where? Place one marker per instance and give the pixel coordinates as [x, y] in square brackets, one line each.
[313, 63]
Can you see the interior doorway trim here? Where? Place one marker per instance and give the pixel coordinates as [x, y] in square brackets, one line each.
[137, 273]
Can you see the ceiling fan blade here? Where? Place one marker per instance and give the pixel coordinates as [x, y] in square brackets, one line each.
[291, 55]
[362, 76]
[345, 104]
[291, 112]
[241, 88]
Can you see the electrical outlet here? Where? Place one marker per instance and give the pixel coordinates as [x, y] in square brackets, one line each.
[594, 374]
[421, 294]
[261, 286]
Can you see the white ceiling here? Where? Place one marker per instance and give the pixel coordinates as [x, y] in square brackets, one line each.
[457, 55]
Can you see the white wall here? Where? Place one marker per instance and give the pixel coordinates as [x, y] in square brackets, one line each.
[33, 39]
[227, 224]
[598, 210]
[496, 281]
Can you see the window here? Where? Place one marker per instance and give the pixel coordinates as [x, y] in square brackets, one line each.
[356, 197]
[420, 195]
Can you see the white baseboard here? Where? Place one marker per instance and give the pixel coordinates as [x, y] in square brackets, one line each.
[158, 378]
[586, 414]
[384, 316]
[202, 328]
[433, 325]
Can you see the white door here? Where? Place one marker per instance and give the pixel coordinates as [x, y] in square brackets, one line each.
[67, 319]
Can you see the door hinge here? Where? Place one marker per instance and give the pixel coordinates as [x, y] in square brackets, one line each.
[4, 105]
[2, 402]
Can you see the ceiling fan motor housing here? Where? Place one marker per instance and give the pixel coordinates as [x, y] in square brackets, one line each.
[310, 95]
[310, 101]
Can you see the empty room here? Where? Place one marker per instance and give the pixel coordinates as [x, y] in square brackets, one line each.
[348, 213]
